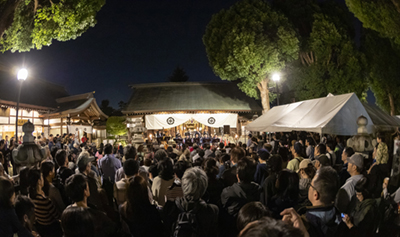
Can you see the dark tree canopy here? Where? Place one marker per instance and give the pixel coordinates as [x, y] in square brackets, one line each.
[32, 24]
[382, 16]
[329, 61]
[248, 43]
[384, 71]
[178, 75]
[106, 108]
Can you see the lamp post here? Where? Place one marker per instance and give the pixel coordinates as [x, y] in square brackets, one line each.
[276, 77]
[22, 75]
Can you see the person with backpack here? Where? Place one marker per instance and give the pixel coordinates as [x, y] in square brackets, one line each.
[190, 215]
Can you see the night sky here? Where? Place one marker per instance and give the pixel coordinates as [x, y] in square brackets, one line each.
[134, 41]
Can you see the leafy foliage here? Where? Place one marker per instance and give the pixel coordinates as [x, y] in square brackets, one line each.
[329, 59]
[178, 75]
[248, 43]
[384, 71]
[116, 126]
[382, 16]
[35, 26]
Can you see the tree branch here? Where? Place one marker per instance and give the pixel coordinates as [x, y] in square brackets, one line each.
[7, 15]
[396, 4]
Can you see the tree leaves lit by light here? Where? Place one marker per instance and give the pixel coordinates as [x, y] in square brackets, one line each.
[34, 27]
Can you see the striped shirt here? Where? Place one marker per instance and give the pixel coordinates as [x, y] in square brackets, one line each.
[45, 210]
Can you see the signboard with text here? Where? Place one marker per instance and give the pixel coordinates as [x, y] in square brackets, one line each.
[22, 121]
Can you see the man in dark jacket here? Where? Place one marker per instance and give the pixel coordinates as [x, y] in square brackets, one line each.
[233, 198]
[321, 218]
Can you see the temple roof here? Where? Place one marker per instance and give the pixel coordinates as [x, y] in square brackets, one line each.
[83, 106]
[189, 96]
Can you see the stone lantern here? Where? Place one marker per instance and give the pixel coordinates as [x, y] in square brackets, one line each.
[138, 131]
[28, 153]
[363, 142]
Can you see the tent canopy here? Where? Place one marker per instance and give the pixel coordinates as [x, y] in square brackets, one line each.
[330, 115]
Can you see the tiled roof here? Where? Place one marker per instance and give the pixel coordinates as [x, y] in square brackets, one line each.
[189, 96]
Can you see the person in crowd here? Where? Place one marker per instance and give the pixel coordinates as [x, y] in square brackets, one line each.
[262, 170]
[203, 216]
[284, 153]
[9, 221]
[207, 150]
[343, 174]
[109, 164]
[330, 148]
[84, 168]
[194, 152]
[131, 168]
[245, 190]
[176, 151]
[198, 159]
[363, 221]
[215, 185]
[310, 148]
[339, 149]
[130, 154]
[146, 165]
[25, 210]
[382, 154]
[322, 217]
[252, 211]
[229, 177]
[287, 195]
[164, 180]
[138, 214]
[345, 200]
[274, 165]
[175, 190]
[77, 222]
[171, 153]
[185, 155]
[307, 173]
[63, 172]
[78, 190]
[297, 150]
[274, 228]
[225, 163]
[48, 172]
[47, 216]
[320, 158]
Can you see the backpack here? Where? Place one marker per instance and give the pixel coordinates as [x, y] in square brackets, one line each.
[187, 224]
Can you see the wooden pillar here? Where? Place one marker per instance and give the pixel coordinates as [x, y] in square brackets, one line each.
[61, 128]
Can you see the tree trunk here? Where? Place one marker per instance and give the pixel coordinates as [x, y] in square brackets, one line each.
[264, 92]
[391, 102]
[7, 15]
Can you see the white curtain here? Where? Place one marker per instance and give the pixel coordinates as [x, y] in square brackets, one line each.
[81, 128]
[160, 121]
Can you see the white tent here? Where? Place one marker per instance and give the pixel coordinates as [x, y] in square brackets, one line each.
[330, 115]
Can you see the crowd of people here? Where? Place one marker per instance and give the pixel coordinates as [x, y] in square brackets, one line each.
[289, 185]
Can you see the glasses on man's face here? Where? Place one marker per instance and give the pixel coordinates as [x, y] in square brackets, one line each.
[313, 187]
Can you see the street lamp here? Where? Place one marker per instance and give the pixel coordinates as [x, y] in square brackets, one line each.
[276, 77]
[22, 75]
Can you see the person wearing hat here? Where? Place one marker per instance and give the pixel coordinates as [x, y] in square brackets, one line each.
[306, 172]
[296, 150]
[345, 200]
[261, 171]
[84, 167]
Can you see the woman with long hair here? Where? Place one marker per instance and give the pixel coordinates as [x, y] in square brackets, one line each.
[164, 180]
[47, 216]
[141, 217]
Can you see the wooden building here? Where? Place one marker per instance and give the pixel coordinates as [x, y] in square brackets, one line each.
[191, 106]
[49, 107]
